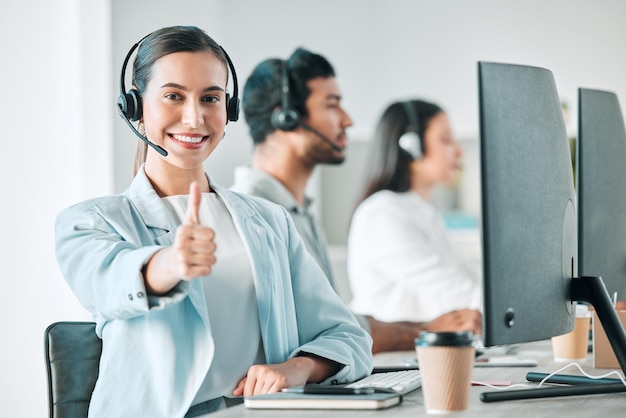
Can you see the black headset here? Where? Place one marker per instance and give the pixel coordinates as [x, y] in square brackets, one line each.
[285, 118]
[411, 141]
[130, 108]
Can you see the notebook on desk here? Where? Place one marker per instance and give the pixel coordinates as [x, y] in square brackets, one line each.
[290, 400]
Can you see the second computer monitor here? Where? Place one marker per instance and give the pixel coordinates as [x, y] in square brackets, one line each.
[529, 219]
[601, 188]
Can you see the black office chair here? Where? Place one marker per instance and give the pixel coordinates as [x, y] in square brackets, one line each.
[72, 361]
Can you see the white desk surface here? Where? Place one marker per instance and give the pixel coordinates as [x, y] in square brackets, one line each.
[606, 405]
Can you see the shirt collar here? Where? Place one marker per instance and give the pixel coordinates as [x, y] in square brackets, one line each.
[268, 187]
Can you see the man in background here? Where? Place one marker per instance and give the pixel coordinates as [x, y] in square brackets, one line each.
[294, 114]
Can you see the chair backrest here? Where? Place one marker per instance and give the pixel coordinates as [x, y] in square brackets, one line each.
[72, 361]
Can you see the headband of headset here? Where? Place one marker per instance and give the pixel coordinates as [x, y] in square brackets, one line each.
[129, 103]
[285, 118]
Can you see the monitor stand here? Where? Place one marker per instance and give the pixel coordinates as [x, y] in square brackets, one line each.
[593, 291]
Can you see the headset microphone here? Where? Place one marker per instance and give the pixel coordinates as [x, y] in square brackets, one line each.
[321, 136]
[287, 118]
[157, 148]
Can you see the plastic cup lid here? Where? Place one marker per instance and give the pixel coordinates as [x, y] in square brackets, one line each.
[582, 311]
[450, 339]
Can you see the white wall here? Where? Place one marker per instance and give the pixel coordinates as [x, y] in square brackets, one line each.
[55, 152]
[63, 141]
[385, 51]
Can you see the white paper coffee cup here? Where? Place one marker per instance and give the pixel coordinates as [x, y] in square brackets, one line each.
[446, 360]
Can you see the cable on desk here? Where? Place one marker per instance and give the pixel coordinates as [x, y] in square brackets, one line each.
[516, 385]
[540, 384]
[611, 373]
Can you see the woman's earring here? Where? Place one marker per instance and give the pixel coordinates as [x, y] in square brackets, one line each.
[141, 128]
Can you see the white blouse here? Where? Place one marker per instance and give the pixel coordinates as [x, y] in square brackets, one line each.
[230, 298]
[401, 264]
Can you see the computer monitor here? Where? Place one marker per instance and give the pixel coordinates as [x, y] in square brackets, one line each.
[528, 206]
[601, 189]
[529, 221]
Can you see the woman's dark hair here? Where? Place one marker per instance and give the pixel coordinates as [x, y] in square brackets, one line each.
[163, 42]
[388, 165]
[262, 91]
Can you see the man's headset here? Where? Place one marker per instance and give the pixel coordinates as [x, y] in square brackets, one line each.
[287, 118]
[411, 141]
[129, 104]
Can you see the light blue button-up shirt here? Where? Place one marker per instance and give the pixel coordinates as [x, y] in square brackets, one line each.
[158, 349]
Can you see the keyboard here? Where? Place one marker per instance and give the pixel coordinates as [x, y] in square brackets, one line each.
[402, 381]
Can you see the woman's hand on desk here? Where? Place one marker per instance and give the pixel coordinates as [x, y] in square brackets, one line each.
[297, 371]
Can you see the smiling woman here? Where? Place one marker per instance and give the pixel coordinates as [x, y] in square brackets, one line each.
[131, 103]
[198, 293]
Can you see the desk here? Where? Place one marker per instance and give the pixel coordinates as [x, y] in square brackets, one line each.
[413, 405]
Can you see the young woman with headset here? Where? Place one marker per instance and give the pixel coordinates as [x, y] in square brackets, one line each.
[401, 265]
[198, 293]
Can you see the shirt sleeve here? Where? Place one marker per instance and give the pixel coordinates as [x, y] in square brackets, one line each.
[326, 327]
[102, 261]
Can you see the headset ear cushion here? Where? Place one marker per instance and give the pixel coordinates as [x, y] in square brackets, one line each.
[285, 119]
[130, 105]
[411, 143]
[122, 104]
[232, 108]
[137, 108]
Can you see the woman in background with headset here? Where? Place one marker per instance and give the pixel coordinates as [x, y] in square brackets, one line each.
[401, 265]
[198, 293]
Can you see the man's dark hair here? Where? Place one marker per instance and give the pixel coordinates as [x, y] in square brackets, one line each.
[262, 91]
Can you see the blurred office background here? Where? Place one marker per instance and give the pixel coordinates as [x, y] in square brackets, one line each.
[63, 141]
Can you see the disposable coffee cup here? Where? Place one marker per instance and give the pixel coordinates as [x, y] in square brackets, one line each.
[445, 360]
[573, 346]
